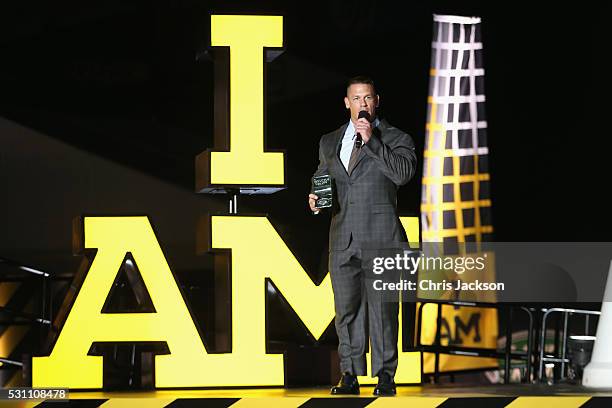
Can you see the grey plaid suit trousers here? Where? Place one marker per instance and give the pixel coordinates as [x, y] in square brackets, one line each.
[362, 314]
[365, 215]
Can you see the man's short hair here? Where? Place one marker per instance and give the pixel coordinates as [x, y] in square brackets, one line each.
[360, 79]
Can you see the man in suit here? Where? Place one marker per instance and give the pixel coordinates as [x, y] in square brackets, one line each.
[368, 160]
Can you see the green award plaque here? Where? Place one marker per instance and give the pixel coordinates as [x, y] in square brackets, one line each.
[322, 187]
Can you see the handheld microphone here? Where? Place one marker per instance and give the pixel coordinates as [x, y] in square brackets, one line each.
[358, 139]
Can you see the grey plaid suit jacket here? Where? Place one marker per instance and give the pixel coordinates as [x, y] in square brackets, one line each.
[366, 203]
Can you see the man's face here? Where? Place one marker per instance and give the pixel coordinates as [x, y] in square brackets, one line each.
[361, 97]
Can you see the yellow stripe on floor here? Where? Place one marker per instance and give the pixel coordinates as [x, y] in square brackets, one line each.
[287, 402]
[412, 402]
[136, 402]
[556, 402]
[18, 404]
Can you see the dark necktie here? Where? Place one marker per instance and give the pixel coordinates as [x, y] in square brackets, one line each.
[355, 153]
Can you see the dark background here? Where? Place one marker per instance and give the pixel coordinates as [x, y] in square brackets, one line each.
[120, 80]
[103, 108]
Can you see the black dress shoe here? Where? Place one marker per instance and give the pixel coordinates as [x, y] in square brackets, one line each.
[348, 384]
[385, 386]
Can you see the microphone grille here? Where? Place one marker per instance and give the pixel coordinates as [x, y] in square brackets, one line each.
[363, 114]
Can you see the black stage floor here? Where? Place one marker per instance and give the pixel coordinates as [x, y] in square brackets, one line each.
[426, 396]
